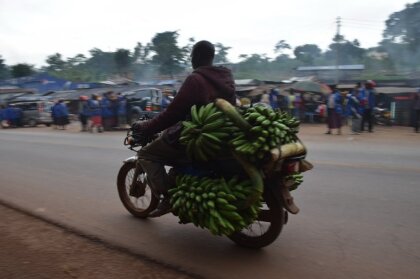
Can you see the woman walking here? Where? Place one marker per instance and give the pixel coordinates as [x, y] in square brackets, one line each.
[334, 111]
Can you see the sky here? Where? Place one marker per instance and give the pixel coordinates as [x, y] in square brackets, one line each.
[30, 30]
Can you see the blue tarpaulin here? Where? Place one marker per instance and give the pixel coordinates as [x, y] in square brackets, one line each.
[43, 82]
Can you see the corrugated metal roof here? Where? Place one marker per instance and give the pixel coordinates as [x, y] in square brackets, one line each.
[330, 68]
[249, 82]
[396, 90]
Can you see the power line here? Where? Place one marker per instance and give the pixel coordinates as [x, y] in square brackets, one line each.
[362, 20]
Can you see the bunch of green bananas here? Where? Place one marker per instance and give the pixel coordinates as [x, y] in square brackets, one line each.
[293, 180]
[291, 122]
[205, 135]
[269, 129]
[214, 204]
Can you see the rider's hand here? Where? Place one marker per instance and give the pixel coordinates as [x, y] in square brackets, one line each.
[139, 126]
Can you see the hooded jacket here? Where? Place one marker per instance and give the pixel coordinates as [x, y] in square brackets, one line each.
[201, 87]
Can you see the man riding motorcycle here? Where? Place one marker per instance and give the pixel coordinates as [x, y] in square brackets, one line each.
[202, 86]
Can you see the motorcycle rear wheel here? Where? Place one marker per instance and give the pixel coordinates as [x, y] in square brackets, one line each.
[265, 229]
[141, 203]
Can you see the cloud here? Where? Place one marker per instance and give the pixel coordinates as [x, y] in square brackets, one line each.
[32, 30]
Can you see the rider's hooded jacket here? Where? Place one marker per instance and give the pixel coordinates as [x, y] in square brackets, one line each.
[203, 86]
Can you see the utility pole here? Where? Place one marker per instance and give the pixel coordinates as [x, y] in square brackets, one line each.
[337, 53]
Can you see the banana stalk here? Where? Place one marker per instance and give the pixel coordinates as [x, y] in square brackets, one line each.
[231, 112]
[256, 179]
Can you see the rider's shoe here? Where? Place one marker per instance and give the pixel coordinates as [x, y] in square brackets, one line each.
[163, 208]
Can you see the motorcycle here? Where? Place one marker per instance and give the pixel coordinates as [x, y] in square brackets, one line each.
[138, 197]
[382, 116]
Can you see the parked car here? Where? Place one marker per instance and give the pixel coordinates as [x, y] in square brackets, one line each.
[143, 103]
[35, 110]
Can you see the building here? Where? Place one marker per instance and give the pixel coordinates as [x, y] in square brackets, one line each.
[328, 74]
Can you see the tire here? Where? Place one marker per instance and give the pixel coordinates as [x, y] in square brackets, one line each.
[32, 122]
[275, 215]
[148, 200]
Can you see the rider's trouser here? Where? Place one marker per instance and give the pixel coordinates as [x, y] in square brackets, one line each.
[153, 158]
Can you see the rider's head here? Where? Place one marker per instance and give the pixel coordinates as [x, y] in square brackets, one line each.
[202, 54]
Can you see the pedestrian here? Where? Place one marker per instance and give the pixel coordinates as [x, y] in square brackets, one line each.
[334, 111]
[113, 98]
[274, 93]
[416, 111]
[122, 110]
[368, 103]
[353, 111]
[245, 102]
[1, 116]
[291, 99]
[283, 103]
[54, 113]
[62, 114]
[9, 116]
[95, 114]
[83, 112]
[264, 101]
[106, 111]
[165, 99]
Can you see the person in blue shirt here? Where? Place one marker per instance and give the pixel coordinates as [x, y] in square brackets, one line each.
[354, 110]
[62, 114]
[83, 112]
[165, 100]
[122, 110]
[95, 114]
[54, 113]
[4, 120]
[106, 111]
[273, 96]
[368, 103]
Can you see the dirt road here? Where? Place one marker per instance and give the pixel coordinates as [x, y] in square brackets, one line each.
[32, 248]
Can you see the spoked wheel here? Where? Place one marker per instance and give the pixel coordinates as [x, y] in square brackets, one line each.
[138, 200]
[265, 229]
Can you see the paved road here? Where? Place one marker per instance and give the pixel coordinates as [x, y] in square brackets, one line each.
[360, 207]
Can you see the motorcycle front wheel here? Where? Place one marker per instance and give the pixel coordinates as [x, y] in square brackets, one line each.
[265, 229]
[137, 198]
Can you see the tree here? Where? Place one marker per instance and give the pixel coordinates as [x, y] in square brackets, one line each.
[141, 53]
[252, 66]
[307, 53]
[76, 61]
[55, 62]
[168, 56]
[401, 37]
[404, 27]
[123, 61]
[186, 50]
[281, 46]
[348, 52]
[101, 64]
[221, 53]
[4, 71]
[22, 70]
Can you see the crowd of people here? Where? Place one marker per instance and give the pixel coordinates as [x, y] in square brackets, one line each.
[109, 111]
[357, 107]
[102, 113]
